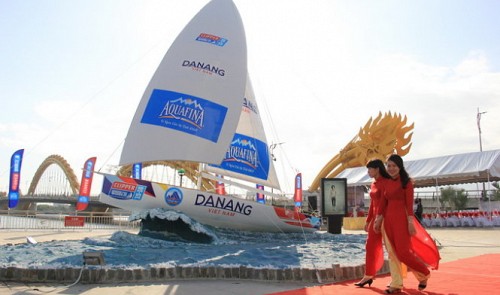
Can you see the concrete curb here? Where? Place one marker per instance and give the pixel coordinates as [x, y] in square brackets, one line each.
[98, 275]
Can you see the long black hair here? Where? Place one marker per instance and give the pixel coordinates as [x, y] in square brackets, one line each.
[402, 171]
[376, 163]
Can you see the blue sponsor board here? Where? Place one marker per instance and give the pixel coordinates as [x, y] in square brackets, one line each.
[185, 113]
[137, 171]
[120, 194]
[247, 155]
[139, 192]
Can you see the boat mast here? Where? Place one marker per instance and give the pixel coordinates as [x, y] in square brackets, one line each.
[200, 176]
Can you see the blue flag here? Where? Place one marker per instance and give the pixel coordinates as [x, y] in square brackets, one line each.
[15, 177]
[137, 171]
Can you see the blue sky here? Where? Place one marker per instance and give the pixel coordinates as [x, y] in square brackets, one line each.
[72, 73]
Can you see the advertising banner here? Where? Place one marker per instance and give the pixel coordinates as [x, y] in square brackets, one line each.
[260, 197]
[86, 184]
[220, 188]
[74, 221]
[15, 177]
[137, 171]
[297, 197]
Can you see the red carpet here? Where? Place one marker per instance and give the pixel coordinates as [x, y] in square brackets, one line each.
[476, 275]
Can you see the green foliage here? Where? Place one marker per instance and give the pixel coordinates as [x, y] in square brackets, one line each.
[495, 195]
[461, 199]
[456, 199]
[55, 208]
[446, 195]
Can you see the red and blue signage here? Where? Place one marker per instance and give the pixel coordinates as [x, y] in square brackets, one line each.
[260, 196]
[86, 184]
[212, 39]
[125, 188]
[220, 187]
[297, 197]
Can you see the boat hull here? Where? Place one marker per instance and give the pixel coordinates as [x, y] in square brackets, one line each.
[222, 211]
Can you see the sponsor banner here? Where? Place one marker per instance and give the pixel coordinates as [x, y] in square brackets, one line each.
[173, 196]
[185, 113]
[204, 67]
[212, 39]
[223, 205]
[297, 197]
[74, 221]
[15, 177]
[126, 191]
[248, 156]
[137, 171]
[86, 184]
[124, 188]
[259, 196]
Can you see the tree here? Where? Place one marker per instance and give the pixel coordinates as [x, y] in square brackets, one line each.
[495, 196]
[461, 199]
[456, 199]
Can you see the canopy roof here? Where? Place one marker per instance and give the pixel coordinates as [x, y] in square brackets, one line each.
[446, 170]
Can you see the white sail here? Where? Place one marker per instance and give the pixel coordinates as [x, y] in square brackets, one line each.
[248, 156]
[192, 105]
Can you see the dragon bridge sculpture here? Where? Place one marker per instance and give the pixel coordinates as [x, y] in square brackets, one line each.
[379, 138]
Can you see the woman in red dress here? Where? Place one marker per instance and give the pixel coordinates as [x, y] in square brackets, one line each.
[406, 240]
[374, 259]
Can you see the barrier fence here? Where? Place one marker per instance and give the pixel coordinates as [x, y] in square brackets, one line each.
[33, 220]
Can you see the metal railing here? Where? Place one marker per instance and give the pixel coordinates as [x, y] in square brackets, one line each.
[33, 220]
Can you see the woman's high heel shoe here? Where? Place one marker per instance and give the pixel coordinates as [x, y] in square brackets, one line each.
[362, 283]
[392, 291]
[422, 285]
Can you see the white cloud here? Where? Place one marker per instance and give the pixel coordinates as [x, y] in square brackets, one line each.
[439, 100]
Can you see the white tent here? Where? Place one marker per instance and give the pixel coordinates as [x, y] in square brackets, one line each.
[445, 170]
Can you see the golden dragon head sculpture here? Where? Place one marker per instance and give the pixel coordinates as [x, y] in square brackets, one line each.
[379, 138]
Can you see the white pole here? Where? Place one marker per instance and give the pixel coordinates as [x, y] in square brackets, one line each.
[437, 194]
[483, 194]
[489, 199]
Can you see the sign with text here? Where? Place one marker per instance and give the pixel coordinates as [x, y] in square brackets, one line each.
[74, 221]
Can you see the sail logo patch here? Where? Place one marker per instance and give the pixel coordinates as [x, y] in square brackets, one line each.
[250, 105]
[203, 67]
[212, 39]
[126, 191]
[173, 196]
[248, 156]
[185, 113]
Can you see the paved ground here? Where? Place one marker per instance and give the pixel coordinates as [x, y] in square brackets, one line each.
[455, 244]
